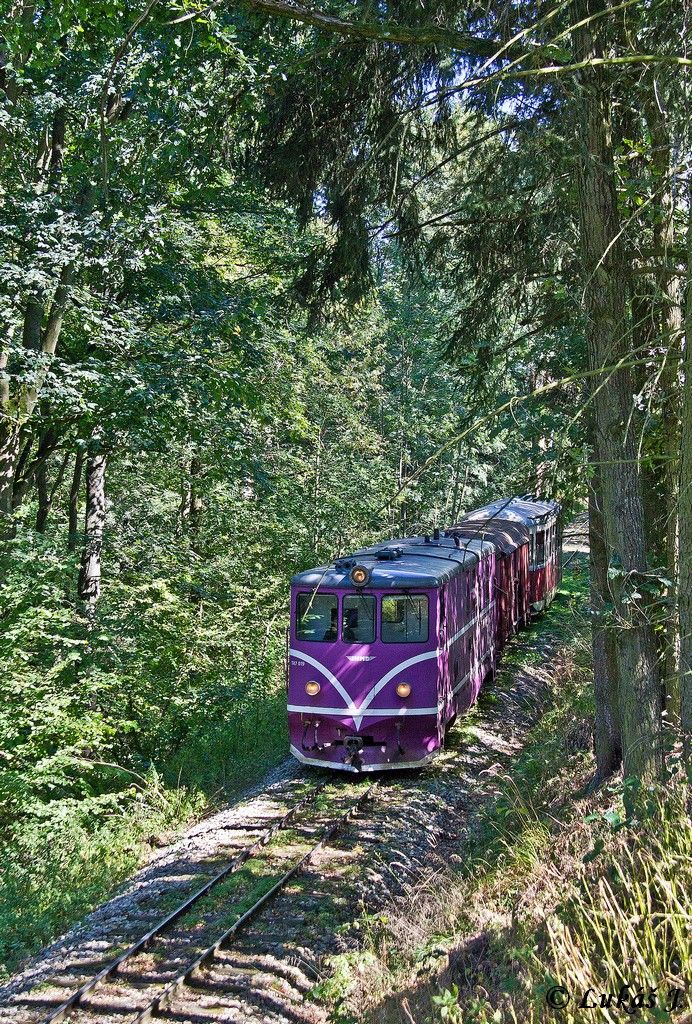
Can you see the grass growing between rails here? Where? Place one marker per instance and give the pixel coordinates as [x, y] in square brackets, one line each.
[555, 898]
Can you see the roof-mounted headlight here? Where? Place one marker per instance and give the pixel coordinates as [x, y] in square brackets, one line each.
[359, 575]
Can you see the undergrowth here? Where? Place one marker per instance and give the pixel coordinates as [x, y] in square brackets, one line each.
[555, 897]
[109, 747]
[61, 861]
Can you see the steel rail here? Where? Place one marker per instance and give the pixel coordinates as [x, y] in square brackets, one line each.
[65, 1009]
[163, 999]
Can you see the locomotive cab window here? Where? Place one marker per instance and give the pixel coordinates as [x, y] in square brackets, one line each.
[404, 619]
[359, 620]
[317, 617]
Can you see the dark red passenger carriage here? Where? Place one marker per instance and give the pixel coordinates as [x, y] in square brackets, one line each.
[541, 519]
[388, 645]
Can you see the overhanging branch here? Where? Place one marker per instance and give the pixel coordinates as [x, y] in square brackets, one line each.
[404, 35]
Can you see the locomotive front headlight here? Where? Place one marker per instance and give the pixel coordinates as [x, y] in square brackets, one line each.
[359, 575]
[312, 688]
[403, 690]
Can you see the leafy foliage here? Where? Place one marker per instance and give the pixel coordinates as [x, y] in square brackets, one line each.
[296, 285]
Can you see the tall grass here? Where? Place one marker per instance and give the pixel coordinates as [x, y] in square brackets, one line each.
[555, 888]
[629, 923]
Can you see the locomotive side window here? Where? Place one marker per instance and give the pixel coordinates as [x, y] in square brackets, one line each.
[317, 617]
[359, 620]
[404, 619]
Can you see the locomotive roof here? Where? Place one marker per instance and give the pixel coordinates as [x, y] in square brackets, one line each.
[528, 510]
[417, 562]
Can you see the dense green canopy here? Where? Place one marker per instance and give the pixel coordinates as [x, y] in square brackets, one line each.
[277, 281]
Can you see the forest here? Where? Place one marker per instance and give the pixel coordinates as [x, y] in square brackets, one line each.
[279, 280]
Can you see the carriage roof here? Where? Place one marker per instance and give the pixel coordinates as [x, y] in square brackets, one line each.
[504, 534]
[409, 562]
[530, 511]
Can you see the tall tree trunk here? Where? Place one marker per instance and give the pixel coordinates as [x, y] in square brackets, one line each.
[685, 516]
[90, 572]
[46, 494]
[43, 497]
[607, 731]
[26, 469]
[16, 410]
[73, 506]
[667, 318]
[608, 342]
[9, 453]
[196, 503]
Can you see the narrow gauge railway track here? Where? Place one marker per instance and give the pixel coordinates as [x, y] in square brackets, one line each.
[77, 1006]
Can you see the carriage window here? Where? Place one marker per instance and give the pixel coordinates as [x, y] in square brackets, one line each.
[317, 617]
[359, 620]
[540, 548]
[404, 619]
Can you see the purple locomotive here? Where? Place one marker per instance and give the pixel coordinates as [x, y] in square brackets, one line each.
[390, 644]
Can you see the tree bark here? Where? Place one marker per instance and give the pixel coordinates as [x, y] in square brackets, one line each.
[608, 341]
[73, 507]
[667, 317]
[46, 494]
[16, 410]
[685, 517]
[607, 730]
[57, 146]
[90, 572]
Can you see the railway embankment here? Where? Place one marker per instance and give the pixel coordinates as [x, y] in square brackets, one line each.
[550, 903]
[310, 937]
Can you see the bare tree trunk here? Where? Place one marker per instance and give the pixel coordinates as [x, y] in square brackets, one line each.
[608, 342]
[668, 320]
[73, 507]
[57, 144]
[43, 497]
[26, 469]
[9, 453]
[607, 731]
[46, 494]
[89, 586]
[16, 410]
[685, 517]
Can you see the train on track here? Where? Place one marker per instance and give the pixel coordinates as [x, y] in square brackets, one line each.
[388, 645]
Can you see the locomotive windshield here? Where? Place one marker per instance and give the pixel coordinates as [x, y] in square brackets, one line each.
[359, 620]
[317, 617]
[405, 619]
